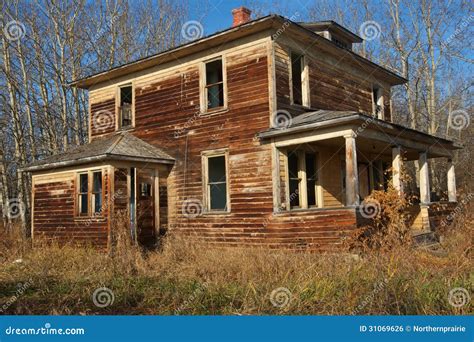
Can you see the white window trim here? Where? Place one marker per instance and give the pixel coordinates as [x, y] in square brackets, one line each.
[203, 90]
[305, 87]
[205, 186]
[117, 106]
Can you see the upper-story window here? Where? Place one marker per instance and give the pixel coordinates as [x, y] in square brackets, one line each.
[125, 109]
[377, 102]
[214, 85]
[216, 183]
[299, 80]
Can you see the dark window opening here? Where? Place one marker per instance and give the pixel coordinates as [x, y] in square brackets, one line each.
[311, 178]
[145, 190]
[125, 109]
[97, 192]
[376, 101]
[217, 183]
[293, 176]
[296, 82]
[214, 84]
[83, 200]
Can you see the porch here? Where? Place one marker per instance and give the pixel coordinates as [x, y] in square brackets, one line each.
[325, 160]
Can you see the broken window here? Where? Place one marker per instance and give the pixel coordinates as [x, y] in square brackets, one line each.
[214, 84]
[97, 192]
[83, 204]
[216, 182]
[125, 106]
[303, 179]
[89, 193]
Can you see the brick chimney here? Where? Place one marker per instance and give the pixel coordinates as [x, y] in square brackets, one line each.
[241, 16]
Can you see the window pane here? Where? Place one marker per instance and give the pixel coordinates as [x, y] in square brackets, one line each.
[310, 165]
[215, 96]
[214, 72]
[294, 193]
[218, 194]
[296, 77]
[83, 204]
[216, 169]
[97, 182]
[125, 95]
[83, 183]
[98, 203]
[293, 165]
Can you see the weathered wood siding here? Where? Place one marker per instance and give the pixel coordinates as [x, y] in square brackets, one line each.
[334, 83]
[54, 212]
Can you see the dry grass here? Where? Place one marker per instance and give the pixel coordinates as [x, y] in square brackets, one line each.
[187, 279]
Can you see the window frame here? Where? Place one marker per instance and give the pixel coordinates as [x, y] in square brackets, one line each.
[303, 180]
[118, 116]
[377, 100]
[305, 86]
[90, 194]
[203, 92]
[205, 181]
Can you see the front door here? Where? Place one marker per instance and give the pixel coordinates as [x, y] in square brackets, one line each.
[146, 198]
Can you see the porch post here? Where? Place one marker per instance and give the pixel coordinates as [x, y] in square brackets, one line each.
[451, 182]
[352, 179]
[396, 168]
[424, 178]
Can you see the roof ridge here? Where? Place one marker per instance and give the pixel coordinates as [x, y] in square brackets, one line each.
[112, 147]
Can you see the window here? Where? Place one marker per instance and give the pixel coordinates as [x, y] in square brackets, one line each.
[216, 184]
[83, 203]
[97, 192]
[377, 102]
[125, 106]
[303, 179]
[299, 80]
[89, 193]
[214, 89]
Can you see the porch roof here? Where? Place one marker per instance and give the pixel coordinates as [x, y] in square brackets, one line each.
[121, 146]
[361, 123]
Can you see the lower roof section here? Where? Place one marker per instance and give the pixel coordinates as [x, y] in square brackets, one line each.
[121, 146]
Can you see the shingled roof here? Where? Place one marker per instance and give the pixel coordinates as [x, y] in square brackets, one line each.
[119, 146]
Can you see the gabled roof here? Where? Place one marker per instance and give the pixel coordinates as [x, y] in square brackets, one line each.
[272, 21]
[118, 146]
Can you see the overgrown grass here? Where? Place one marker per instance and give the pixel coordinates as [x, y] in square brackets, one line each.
[187, 279]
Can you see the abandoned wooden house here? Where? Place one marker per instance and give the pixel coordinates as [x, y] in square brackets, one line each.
[268, 133]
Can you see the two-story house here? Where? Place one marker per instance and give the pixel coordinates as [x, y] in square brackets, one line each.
[268, 133]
